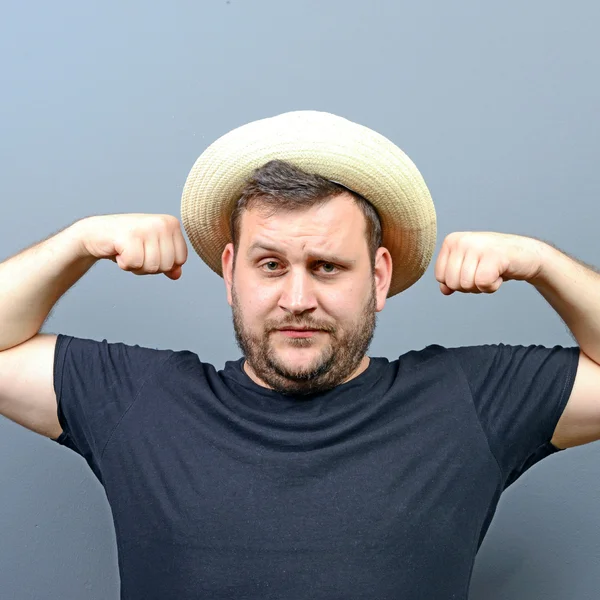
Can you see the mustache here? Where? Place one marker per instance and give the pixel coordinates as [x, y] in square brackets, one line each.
[304, 322]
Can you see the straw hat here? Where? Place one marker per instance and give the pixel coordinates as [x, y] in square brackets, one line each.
[328, 145]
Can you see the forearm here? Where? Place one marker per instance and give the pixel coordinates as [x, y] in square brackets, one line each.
[32, 281]
[573, 290]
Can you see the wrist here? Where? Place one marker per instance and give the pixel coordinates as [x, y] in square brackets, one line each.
[548, 256]
[78, 234]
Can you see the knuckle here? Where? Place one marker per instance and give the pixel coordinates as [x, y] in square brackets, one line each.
[160, 226]
[463, 243]
[132, 260]
[135, 264]
[167, 223]
[173, 221]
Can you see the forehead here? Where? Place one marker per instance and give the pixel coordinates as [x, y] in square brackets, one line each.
[338, 220]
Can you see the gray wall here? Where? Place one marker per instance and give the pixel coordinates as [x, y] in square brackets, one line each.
[105, 107]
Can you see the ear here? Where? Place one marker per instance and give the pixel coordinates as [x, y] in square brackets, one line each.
[383, 276]
[227, 259]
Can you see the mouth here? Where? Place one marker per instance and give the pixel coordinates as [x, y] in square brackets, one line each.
[298, 332]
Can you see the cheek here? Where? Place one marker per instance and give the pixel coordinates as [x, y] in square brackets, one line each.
[256, 300]
[341, 304]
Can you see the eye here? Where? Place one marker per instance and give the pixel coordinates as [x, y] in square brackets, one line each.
[270, 265]
[328, 268]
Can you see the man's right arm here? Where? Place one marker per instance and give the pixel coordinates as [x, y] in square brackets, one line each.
[33, 281]
[27, 394]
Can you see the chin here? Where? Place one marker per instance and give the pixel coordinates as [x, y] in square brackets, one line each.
[299, 359]
[304, 360]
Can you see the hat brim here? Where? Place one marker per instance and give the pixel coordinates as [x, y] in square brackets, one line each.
[331, 146]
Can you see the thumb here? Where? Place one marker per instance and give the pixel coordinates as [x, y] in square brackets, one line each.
[445, 289]
[174, 273]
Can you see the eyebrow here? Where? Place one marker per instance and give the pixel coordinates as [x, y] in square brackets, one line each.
[263, 246]
[326, 257]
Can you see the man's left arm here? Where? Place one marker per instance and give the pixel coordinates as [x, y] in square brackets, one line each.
[479, 262]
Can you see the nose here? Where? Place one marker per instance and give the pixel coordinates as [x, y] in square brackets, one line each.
[297, 293]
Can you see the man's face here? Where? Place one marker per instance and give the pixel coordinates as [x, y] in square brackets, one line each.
[304, 294]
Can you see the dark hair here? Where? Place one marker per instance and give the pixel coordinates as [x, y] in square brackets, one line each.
[281, 185]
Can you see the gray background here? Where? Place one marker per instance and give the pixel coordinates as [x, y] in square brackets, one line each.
[105, 107]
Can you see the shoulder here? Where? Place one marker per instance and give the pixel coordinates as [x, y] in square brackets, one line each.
[486, 351]
[121, 355]
[428, 354]
[475, 361]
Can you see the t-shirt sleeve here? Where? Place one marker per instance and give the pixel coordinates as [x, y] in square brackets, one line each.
[95, 384]
[519, 394]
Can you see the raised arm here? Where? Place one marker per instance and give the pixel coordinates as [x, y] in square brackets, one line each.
[34, 280]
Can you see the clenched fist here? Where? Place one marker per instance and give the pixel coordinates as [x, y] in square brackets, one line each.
[480, 261]
[145, 244]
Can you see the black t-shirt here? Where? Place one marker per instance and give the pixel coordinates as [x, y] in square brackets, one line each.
[380, 488]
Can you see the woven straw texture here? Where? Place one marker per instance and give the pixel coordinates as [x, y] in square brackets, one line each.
[332, 146]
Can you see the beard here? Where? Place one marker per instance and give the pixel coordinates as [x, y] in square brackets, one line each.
[335, 363]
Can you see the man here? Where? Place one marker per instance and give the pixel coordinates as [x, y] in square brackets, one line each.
[306, 468]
